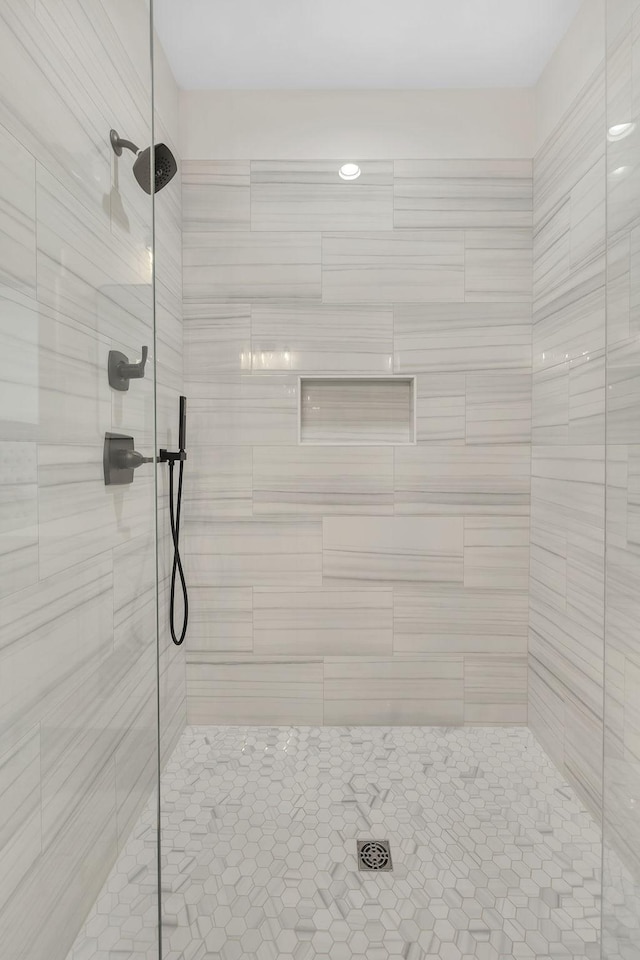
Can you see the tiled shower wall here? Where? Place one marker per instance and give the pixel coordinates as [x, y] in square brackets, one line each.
[78, 711]
[567, 483]
[358, 584]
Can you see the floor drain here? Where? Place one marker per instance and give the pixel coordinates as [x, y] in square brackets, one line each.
[374, 855]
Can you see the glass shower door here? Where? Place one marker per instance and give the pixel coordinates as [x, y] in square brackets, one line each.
[78, 591]
[621, 797]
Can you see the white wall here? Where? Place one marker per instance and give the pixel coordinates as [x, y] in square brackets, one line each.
[297, 125]
[377, 124]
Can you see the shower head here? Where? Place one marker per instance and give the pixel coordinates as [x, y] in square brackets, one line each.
[165, 166]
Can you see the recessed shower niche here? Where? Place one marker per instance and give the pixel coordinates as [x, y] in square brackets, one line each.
[357, 410]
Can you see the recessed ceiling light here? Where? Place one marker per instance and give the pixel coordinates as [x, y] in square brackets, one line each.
[349, 171]
[619, 131]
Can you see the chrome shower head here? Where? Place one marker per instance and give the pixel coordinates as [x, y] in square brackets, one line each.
[165, 166]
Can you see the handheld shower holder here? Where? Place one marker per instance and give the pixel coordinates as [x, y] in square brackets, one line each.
[171, 456]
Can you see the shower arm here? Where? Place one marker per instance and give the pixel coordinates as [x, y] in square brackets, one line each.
[119, 145]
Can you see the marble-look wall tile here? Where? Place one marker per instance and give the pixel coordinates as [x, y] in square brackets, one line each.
[321, 338]
[548, 562]
[621, 569]
[219, 482]
[498, 265]
[569, 649]
[587, 225]
[244, 411]
[356, 411]
[623, 393]
[254, 553]
[83, 36]
[17, 215]
[552, 252]
[237, 265]
[20, 814]
[134, 595]
[571, 150]
[495, 689]
[447, 338]
[618, 290]
[388, 267]
[217, 340]
[568, 498]
[18, 516]
[560, 702]
[393, 549]
[322, 480]
[467, 480]
[546, 710]
[572, 479]
[63, 888]
[310, 195]
[255, 690]
[582, 749]
[324, 622]
[338, 547]
[569, 402]
[462, 193]
[75, 400]
[440, 408]
[78, 724]
[569, 234]
[19, 399]
[220, 619]
[567, 537]
[457, 619]
[216, 195]
[79, 737]
[550, 405]
[41, 661]
[393, 690]
[172, 685]
[587, 384]
[496, 552]
[571, 326]
[498, 408]
[79, 517]
[84, 272]
[46, 109]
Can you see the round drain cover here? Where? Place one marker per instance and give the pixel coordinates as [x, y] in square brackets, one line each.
[374, 855]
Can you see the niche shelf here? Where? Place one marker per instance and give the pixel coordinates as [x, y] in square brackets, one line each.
[355, 411]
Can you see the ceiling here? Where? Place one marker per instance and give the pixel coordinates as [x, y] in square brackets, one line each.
[360, 44]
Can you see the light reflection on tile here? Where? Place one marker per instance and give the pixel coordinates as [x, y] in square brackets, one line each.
[321, 338]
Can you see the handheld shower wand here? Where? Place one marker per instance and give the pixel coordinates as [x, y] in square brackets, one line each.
[175, 511]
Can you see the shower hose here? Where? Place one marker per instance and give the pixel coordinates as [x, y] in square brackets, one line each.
[176, 570]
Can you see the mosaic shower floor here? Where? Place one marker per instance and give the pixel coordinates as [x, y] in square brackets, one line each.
[493, 855]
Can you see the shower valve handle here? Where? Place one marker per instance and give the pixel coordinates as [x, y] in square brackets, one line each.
[120, 459]
[134, 371]
[121, 371]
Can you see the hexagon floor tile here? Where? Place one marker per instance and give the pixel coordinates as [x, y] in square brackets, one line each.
[493, 855]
